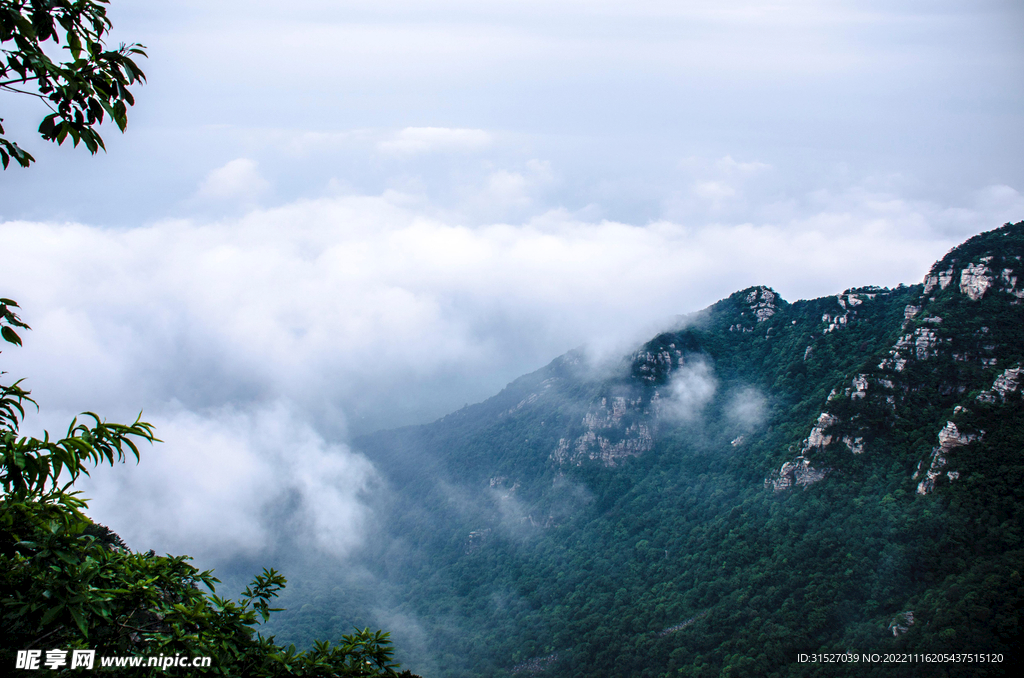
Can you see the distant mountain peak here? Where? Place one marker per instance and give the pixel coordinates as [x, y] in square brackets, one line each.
[989, 261]
[840, 472]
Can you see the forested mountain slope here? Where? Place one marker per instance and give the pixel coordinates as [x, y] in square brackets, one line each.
[766, 479]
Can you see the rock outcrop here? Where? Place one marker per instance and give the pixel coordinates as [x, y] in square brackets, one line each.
[1007, 382]
[902, 622]
[950, 437]
[796, 472]
[975, 281]
[608, 437]
[762, 303]
[818, 436]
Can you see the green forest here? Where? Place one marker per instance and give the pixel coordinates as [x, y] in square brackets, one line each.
[838, 479]
[766, 481]
[685, 558]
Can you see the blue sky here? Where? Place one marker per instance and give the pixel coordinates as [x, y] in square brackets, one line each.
[328, 217]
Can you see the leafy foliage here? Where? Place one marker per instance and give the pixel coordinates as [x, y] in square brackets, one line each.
[81, 91]
[67, 583]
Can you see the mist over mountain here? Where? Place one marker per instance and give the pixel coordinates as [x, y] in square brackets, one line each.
[341, 278]
[764, 479]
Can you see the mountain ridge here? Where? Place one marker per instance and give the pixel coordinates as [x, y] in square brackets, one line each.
[765, 479]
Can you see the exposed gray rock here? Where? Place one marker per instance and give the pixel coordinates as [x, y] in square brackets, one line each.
[975, 281]
[762, 302]
[649, 364]
[941, 280]
[854, 444]
[902, 622]
[860, 387]
[1010, 283]
[1007, 382]
[796, 472]
[817, 436]
[949, 438]
[925, 341]
[604, 423]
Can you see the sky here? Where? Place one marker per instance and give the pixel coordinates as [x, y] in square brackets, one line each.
[327, 217]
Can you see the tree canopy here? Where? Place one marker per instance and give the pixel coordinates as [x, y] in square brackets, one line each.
[84, 86]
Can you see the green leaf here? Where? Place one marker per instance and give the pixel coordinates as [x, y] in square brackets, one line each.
[10, 335]
[50, 614]
[80, 621]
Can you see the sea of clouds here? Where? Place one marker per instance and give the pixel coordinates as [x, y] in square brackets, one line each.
[260, 344]
[326, 219]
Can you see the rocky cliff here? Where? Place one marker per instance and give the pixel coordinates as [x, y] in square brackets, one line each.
[763, 479]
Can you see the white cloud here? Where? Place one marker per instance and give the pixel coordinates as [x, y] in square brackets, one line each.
[234, 481]
[714, 190]
[729, 165]
[689, 390]
[747, 407]
[413, 140]
[444, 262]
[363, 311]
[280, 298]
[238, 179]
[510, 189]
